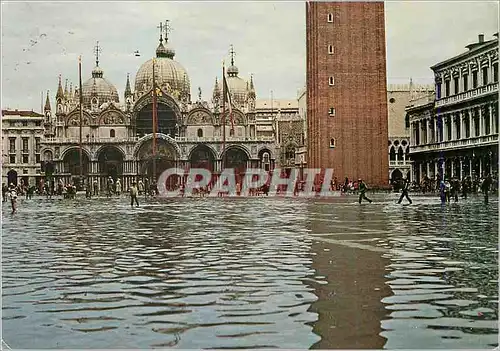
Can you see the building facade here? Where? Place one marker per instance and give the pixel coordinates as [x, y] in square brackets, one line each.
[117, 136]
[456, 134]
[399, 96]
[346, 90]
[22, 135]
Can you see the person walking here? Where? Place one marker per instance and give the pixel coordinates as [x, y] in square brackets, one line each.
[13, 197]
[96, 188]
[485, 187]
[362, 191]
[404, 191]
[133, 195]
[118, 187]
[5, 192]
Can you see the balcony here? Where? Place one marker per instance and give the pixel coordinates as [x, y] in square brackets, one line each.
[76, 140]
[484, 140]
[491, 88]
[399, 163]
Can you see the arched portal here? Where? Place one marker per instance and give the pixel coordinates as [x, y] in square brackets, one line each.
[167, 121]
[236, 159]
[202, 157]
[397, 179]
[12, 177]
[71, 161]
[152, 166]
[110, 162]
[265, 160]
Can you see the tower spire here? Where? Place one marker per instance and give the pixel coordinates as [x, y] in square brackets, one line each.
[232, 55]
[160, 27]
[168, 29]
[97, 51]
[128, 91]
[60, 93]
[47, 104]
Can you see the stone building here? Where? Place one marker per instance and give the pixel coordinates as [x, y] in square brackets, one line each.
[22, 133]
[117, 134]
[399, 96]
[456, 134]
[346, 90]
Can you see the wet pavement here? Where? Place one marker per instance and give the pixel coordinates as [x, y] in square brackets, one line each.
[250, 273]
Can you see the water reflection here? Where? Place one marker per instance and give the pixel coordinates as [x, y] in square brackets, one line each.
[179, 274]
[250, 273]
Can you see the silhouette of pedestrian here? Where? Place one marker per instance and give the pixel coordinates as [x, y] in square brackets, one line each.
[404, 191]
[485, 187]
[362, 190]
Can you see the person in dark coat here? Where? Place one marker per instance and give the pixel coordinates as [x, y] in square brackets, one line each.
[362, 190]
[404, 191]
[485, 187]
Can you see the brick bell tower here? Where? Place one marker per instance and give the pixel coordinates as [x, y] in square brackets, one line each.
[346, 90]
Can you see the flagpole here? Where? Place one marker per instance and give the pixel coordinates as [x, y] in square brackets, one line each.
[81, 114]
[223, 116]
[154, 121]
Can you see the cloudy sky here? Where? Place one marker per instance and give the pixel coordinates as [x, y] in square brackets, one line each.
[42, 40]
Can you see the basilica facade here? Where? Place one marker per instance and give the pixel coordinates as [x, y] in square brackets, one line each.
[117, 134]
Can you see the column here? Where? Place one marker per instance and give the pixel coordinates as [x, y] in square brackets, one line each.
[481, 122]
[452, 167]
[428, 168]
[419, 173]
[461, 169]
[435, 168]
[490, 113]
[472, 122]
[480, 166]
[470, 167]
[453, 129]
[461, 121]
[435, 129]
[428, 124]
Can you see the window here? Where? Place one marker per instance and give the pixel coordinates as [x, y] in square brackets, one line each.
[37, 144]
[466, 82]
[25, 144]
[485, 75]
[438, 90]
[12, 159]
[25, 123]
[330, 49]
[200, 133]
[455, 85]
[447, 88]
[111, 133]
[25, 171]
[331, 81]
[495, 72]
[12, 144]
[330, 18]
[38, 123]
[474, 80]
[25, 158]
[332, 143]
[331, 112]
[37, 157]
[392, 100]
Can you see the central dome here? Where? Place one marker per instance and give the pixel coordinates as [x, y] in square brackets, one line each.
[169, 74]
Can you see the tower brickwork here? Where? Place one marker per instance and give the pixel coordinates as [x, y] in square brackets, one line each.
[346, 90]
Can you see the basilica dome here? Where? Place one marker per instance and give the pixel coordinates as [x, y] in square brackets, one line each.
[170, 74]
[238, 87]
[97, 90]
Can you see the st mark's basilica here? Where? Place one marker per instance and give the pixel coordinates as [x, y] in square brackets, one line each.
[117, 137]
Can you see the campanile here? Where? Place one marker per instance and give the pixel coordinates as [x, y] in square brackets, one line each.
[346, 90]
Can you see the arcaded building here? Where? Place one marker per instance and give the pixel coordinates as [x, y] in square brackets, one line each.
[346, 90]
[456, 134]
[117, 130]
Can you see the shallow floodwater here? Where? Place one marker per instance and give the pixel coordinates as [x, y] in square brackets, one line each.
[250, 273]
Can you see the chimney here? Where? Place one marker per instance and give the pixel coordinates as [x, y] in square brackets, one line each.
[481, 38]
